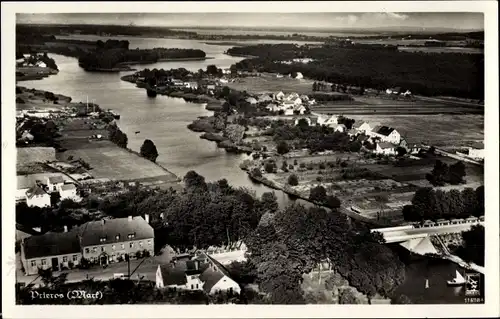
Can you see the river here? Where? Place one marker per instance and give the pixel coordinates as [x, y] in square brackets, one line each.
[164, 120]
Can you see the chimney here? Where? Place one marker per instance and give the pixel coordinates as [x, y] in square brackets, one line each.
[196, 264]
[65, 228]
[130, 218]
[146, 218]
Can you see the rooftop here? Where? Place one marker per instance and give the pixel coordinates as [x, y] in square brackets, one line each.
[58, 179]
[51, 244]
[385, 145]
[67, 187]
[115, 230]
[384, 130]
[35, 190]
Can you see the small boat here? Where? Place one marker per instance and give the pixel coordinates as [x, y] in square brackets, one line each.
[457, 281]
[137, 132]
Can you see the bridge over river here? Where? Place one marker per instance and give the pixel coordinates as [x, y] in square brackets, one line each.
[417, 237]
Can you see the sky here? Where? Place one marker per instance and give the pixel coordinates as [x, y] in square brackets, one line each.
[330, 20]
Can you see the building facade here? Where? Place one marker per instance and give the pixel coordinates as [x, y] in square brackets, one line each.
[36, 196]
[101, 242]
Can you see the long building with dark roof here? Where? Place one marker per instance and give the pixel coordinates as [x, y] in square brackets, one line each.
[100, 242]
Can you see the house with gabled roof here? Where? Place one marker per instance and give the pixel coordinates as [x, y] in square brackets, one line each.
[362, 127]
[180, 275]
[339, 128]
[103, 242]
[251, 100]
[36, 196]
[109, 240]
[216, 278]
[68, 191]
[386, 134]
[54, 183]
[50, 250]
[202, 273]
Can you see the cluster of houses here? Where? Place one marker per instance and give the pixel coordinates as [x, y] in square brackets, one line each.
[289, 104]
[39, 195]
[30, 61]
[102, 242]
[386, 139]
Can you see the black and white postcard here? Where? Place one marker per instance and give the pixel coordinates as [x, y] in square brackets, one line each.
[227, 159]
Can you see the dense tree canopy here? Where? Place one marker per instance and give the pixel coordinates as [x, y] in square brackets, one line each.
[473, 247]
[296, 239]
[430, 204]
[442, 173]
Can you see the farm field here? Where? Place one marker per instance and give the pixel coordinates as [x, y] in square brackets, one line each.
[107, 160]
[444, 131]
[269, 83]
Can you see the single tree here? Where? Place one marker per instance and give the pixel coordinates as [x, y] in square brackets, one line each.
[293, 180]
[149, 151]
[318, 194]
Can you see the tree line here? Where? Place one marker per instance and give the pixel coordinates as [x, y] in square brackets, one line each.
[110, 58]
[432, 74]
[430, 204]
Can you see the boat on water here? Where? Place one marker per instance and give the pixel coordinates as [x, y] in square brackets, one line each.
[459, 280]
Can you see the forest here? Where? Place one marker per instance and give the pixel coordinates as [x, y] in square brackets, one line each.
[430, 74]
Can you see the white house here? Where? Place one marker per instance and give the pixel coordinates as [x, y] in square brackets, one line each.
[363, 127]
[279, 76]
[339, 128]
[474, 153]
[251, 100]
[226, 71]
[54, 183]
[292, 97]
[180, 275]
[37, 196]
[329, 120]
[273, 107]
[202, 273]
[41, 64]
[299, 76]
[222, 80]
[288, 111]
[68, 191]
[191, 85]
[279, 96]
[386, 148]
[386, 134]
[407, 93]
[216, 278]
[300, 109]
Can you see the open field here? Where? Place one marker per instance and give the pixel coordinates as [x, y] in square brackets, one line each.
[27, 99]
[107, 160]
[445, 131]
[268, 83]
